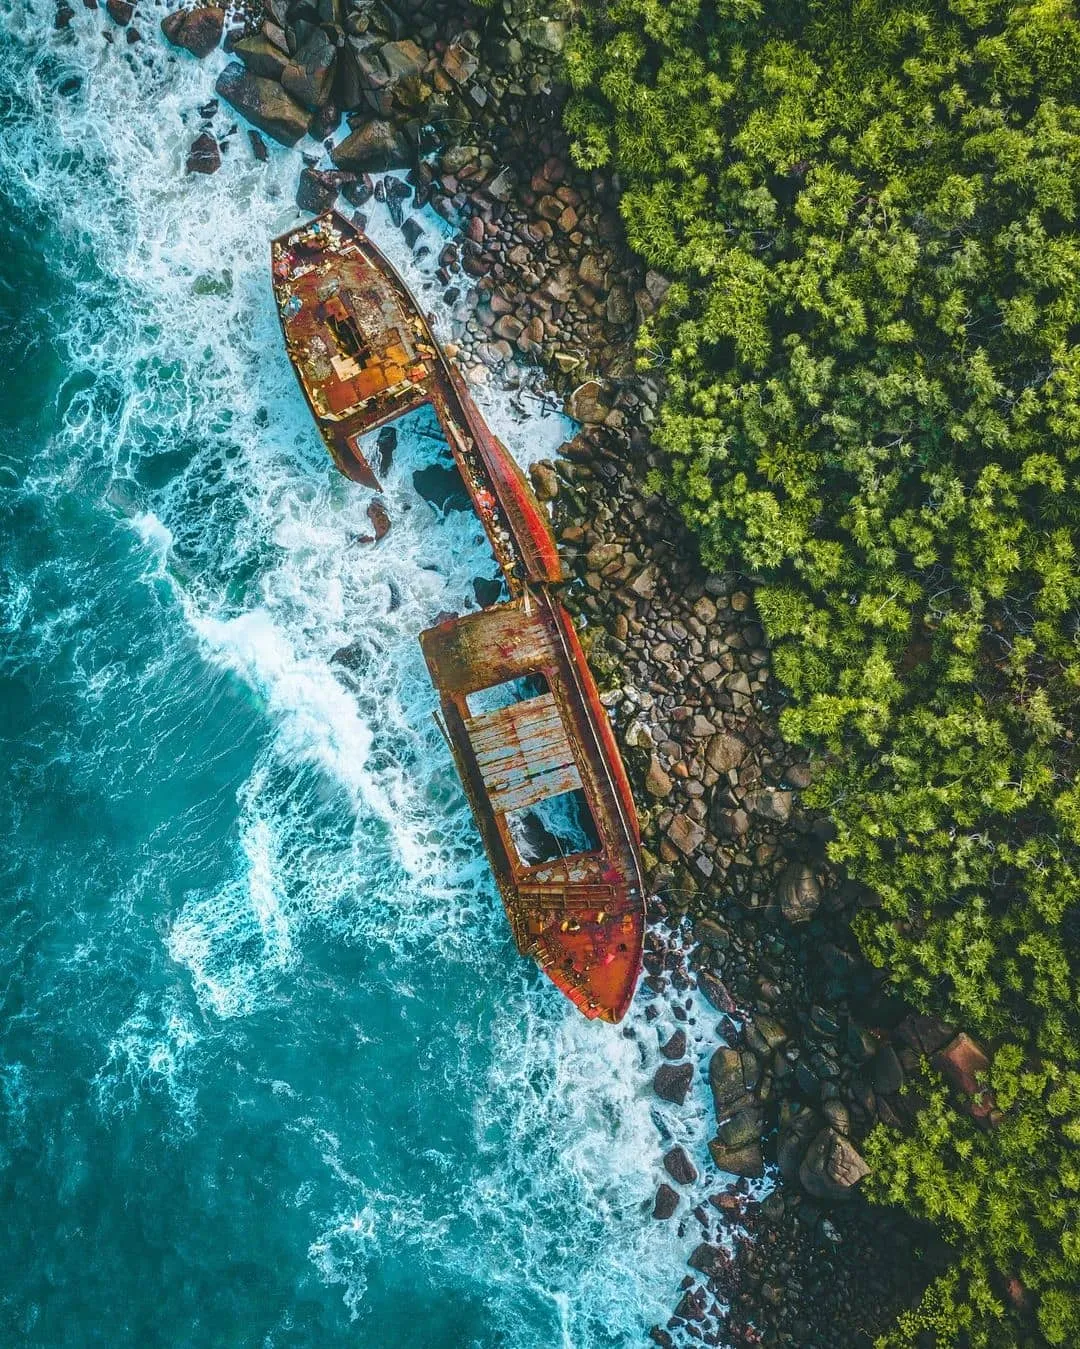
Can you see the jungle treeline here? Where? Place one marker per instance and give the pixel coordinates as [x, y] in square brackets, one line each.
[868, 213]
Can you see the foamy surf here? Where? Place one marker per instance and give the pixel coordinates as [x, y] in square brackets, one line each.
[299, 1000]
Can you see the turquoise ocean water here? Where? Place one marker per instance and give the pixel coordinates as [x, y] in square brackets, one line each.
[270, 1071]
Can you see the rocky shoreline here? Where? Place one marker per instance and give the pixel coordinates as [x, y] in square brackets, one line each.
[810, 1049]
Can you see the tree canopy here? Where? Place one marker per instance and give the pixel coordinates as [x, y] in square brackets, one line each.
[869, 215]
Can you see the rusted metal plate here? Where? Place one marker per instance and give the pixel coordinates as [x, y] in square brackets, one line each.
[523, 753]
[491, 647]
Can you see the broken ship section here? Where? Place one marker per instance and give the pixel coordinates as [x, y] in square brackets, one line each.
[519, 706]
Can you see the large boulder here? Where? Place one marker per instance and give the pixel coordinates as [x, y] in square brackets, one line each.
[263, 103]
[799, 892]
[403, 60]
[727, 1082]
[196, 30]
[372, 144]
[679, 1166]
[309, 76]
[742, 1128]
[362, 77]
[666, 1201]
[744, 1160]
[795, 1135]
[831, 1167]
[672, 1081]
[261, 56]
[204, 155]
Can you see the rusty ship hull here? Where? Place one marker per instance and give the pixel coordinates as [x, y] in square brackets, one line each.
[365, 355]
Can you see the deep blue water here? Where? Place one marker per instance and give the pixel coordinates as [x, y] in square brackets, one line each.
[270, 1070]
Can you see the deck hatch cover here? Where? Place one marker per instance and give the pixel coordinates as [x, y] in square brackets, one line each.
[523, 753]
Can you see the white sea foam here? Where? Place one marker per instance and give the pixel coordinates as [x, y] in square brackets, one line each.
[351, 821]
[150, 1055]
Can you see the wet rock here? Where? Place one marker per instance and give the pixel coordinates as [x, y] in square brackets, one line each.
[373, 144]
[666, 1202]
[204, 155]
[64, 16]
[708, 1260]
[309, 77]
[726, 1080]
[196, 30]
[886, 1072]
[798, 891]
[741, 1161]
[672, 1081]
[716, 992]
[685, 834]
[693, 1304]
[380, 521]
[487, 591]
[544, 482]
[764, 1034]
[679, 1166]
[674, 1048]
[741, 1128]
[586, 404]
[412, 230]
[258, 146]
[386, 444]
[120, 11]
[725, 751]
[318, 190]
[263, 102]
[831, 1167]
[360, 191]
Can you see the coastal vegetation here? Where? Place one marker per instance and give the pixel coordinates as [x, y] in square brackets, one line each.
[868, 214]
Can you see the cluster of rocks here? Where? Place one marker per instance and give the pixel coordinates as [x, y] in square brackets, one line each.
[800, 1279]
[541, 271]
[393, 70]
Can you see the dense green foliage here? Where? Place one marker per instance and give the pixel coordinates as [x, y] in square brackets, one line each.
[869, 213]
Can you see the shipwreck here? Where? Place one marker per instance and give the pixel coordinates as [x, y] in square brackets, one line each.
[519, 706]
